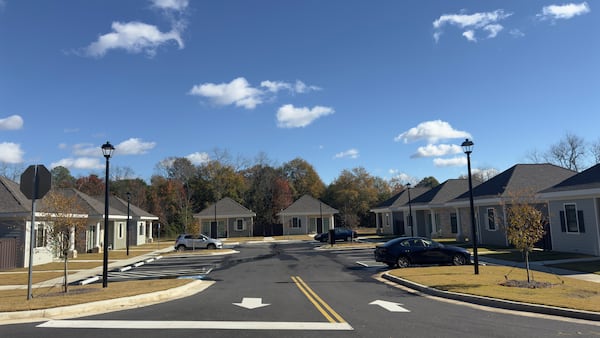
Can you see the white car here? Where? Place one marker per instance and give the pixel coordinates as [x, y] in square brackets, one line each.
[187, 241]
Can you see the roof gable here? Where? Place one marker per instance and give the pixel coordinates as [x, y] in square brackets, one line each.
[308, 205]
[225, 207]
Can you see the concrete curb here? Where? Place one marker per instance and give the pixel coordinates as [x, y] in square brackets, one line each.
[104, 306]
[496, 303]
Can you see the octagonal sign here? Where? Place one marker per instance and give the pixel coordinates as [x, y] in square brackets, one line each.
[35, 181]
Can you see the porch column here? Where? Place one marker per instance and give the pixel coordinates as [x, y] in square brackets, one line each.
[72, 253]
[459, 235]
[149, 232]
[434, 230]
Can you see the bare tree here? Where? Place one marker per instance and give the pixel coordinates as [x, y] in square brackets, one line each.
[568, 153]
[66, 216]
[595, 150]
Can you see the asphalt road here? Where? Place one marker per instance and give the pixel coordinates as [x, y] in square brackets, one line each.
[295, 291]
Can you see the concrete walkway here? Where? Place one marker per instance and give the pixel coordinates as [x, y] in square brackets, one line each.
[546, 266]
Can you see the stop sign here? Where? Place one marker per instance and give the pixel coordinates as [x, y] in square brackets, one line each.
[35, 181]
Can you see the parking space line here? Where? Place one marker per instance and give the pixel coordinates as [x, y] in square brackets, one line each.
[320, 304]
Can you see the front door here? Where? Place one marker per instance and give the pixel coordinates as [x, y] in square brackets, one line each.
[213, 230]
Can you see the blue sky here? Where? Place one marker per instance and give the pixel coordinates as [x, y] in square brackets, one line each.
[390, 86]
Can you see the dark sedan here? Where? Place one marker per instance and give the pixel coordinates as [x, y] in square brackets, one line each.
[405, 251]
[344, 234]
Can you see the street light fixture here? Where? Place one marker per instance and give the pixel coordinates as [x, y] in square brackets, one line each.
[468, 149]
[107, 150]
[410, 221]
[127, 226]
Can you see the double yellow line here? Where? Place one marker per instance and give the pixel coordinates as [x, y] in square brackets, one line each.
[319, 303]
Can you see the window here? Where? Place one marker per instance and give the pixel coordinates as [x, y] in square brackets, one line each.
[571, 219]
[491, 219]
[141, 229]
[41, 239]
[295, 222]
[453, 223]
[387, 220]
[120, 230]
[239, 224]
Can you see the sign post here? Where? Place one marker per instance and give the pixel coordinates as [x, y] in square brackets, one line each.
[35, 183]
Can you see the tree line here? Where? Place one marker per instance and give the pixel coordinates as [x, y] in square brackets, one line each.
[179, 189]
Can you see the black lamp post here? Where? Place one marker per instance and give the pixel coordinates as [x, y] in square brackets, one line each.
[410, 221]
[127, 226]
[107, 150]
[468, 149]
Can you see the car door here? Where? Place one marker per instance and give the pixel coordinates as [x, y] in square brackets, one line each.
[418, 254]
[433, 253]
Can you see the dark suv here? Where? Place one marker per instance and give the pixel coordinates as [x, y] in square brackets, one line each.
[344, 234]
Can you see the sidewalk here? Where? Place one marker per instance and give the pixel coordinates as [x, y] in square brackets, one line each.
[545, 266]
[97, 271]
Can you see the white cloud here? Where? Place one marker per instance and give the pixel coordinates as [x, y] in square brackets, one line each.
[134, 37]
[493, 30]
[301, 87]
[470, 35]
[432, 131]
[79, 163]
[350, 153]
[237, 92]
[11, 153]
[85, 149]
[134, 146]
[275, 86]
[450, 162]
[298, 87]
[198, 158]
[517, 33]
[13, 122]
[177, 5]
[289, 116]
[566, 11]
[240, 93]
[432, 150]
[470, 22]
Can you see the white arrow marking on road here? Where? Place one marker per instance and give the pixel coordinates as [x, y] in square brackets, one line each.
[390, 306]
[251, 303]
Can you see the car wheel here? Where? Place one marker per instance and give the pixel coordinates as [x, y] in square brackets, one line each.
[181, 248]
[459, 260]
[211, 246]
[403, 262]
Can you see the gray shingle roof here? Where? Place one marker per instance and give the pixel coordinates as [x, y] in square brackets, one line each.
[534, 177]
[444, 192]
[587, 179]
[401, 199]
[12, 199]
[308, 205]
[225, 207]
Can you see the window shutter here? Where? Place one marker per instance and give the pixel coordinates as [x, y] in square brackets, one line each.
[580, 220]
[563, 226]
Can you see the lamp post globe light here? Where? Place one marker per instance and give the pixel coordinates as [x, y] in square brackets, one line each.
[468, 149]
[410, 221]
[107, 151]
